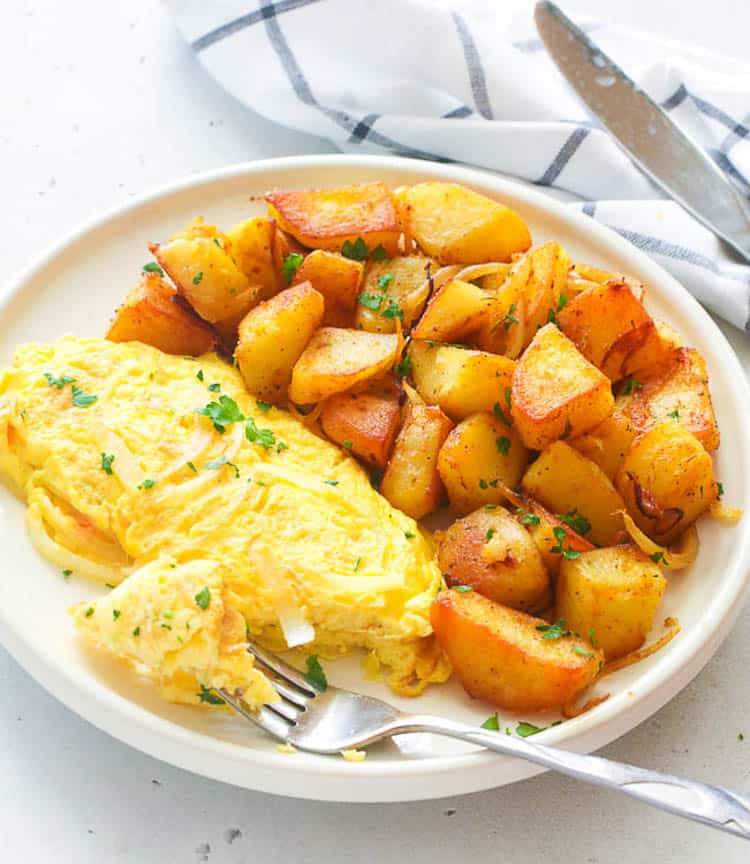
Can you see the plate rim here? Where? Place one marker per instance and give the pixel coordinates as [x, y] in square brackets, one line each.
[372, 781]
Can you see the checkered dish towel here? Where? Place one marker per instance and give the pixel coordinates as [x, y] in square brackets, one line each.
[476, 86]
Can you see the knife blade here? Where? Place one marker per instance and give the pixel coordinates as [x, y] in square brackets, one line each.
[645, 131]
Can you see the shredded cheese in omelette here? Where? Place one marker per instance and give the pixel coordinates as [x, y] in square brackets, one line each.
[288, 528]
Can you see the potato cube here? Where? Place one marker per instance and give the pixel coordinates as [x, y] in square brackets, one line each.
[657, 351]
[460, 380]
[273, 335]
[366, 424]
[667, 481]
[551, 536]
[556, 391]
[338, 280]
[336, 360]
[569, 484]
[155, 314]
[459, 226]
[251, 247]
[503, 329]
[402, 280]
[330, 218]
[611, 595]
[454, 311]
[502, 655]
[479, 455]
[607, 443]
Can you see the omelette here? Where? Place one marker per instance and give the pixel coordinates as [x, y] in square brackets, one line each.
[213, 518]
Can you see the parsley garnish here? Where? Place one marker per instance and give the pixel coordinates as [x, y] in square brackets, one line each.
[192, 467]
[356, 564]
[507, 396]
[551, 317]
[503, 444]
[371, 301]
[490, 506]
[462, 589]
[404, 367]
[356, 251]
[198, 278]
[222, 413]
[315, 674]
[281, 446]
[410, 535]
[347, 444]
[524, 729]
[527, 518]
[560, 535]
[265, 407]
[81, 398]
[577, 521]
[509, 318]
[209, 696]
[582, 651]
[67, 574]
[554, 631]
[264, 437]
[489, 535]
[137, 630]
[376, 477]
[107, 463]
[215, 387]
[199, 375]
[561, 302]
[482, 483]
[592, 637]
[220, 461]
[58, 382]
[491, 723]
[218, 243]
[148, 483]
[203, 597]
[89, 611]
[500, 414]
[630, 385]
[658, 558]
[719, 489]
[385, 280]
[675, 415]
[393, 310]
[331, 482]
[379, 253]
[153, 267]
[291, 265]
[115, 614]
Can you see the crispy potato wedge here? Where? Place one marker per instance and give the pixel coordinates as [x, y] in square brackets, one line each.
[612, 595]
[491, 553]
[252, 243]
[329, 218]
[480, 456]
[549, 533]
[565, 482]
[456, 225]
[605, 324]
[556, 391]
[273, 335]
[453, 311]
[402, 280]
[607, 443]
[199, 262]
[500, 655]
[658, 350]
[666, 480]
[461, 381]
[338, 279]
[154, 313]
[337, 359]
[679, 391]
[411, 481]
[366, 424]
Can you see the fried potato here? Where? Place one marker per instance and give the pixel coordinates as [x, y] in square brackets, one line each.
[567, 483]
[411, 481]
[252, 243]
[545, 287]
[199, 263]
[658, 350]
[549, 533]
[666, 480]
[679, 391]
[556, 391]
[402, 280]
[366, 424]
[454, 311]
[456, 225]
[605, 324]
[503, 328]
[461, 381]
[336, 360]
[338, 280]
[152, 313]
[607, 443]
[490, 552]
[273, 335]
[329, 218]
[501, 655]
[480, 456]
[611, 595]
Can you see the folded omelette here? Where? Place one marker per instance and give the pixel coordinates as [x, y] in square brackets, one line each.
[213, 517]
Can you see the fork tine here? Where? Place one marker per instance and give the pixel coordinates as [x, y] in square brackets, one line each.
[267, 720]
[285, 710]
[282, 669]
[291, 694]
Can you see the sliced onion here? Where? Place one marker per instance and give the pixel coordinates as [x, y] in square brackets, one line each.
[476, 271]
[196, 446]
[642, 653]
[443, 275]
[125, 466]
[676, 557]
[296, 629]
[724, 513]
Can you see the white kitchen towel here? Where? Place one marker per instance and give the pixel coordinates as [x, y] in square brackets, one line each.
[471, 83]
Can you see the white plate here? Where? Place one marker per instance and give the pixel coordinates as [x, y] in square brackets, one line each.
[76, 286]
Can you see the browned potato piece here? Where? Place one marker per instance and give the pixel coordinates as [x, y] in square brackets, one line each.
[199, 263]
[490, 552]
[366, 424]
[611, 595]
[480, 456]
[549, 533]
[547, 282]
[607, 443]
[152, 313]
[679, 391]
[336, 360]
[411, 481]
[272, 337]
[338, 280]
[501, 655]
[667, 481]
[459, 226]
[657, 351]
[251, 247]
[329, 218]
[402, 280]
[556, 391]
[603, 323]
[503, 329]
[567, 483]
[455, 310]
[460, 380]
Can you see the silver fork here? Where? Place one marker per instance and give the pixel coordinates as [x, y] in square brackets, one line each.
[336, 720]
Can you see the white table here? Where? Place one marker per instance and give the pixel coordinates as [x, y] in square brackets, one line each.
[100, 101]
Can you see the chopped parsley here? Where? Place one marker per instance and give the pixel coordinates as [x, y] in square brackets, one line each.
[222, 460]
[58, 382]
[81, 398]
[507, 396]
[356, 564]
[218, 243]
[490, 506]
[489, 535]
[203, 597]
[347, 444]
[551, 317]
[675, 415]
[560, 536]
[630, 385]
[222, 413]
[192, 467]
[554, 631]
[658, 558]
[376, 477]
[281, 446]
[264, 437]
[491, 723]
[567, 430]
[592, 637]
[115, 614]
[527, 518]
[482, 483]
[209, 697]
[265, 407]
[331, 482]
[393, 310]
[137, 630]
[168, 614]
[371, 301]
[462, 589]
[215, 387]
[719, 489]
[291, 265]
[379, 253]
[152, 267]
[509, 318]
[575, 520]
[524, 729]
[198, 278]
[500, 414]
[404, 367]
[107, 461]
[315, 674]
[410, 535]
[67, 573]
[148, 483]
[503, 445]
[356, 251]
[562, 300]
[89, 611]
[199, 375]
[584, 652]
[385, 280]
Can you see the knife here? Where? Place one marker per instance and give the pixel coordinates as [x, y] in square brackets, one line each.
[644, 131]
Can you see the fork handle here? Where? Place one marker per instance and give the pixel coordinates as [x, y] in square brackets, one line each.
[712, 805]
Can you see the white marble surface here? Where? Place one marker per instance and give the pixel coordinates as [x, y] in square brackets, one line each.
[100, 101]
